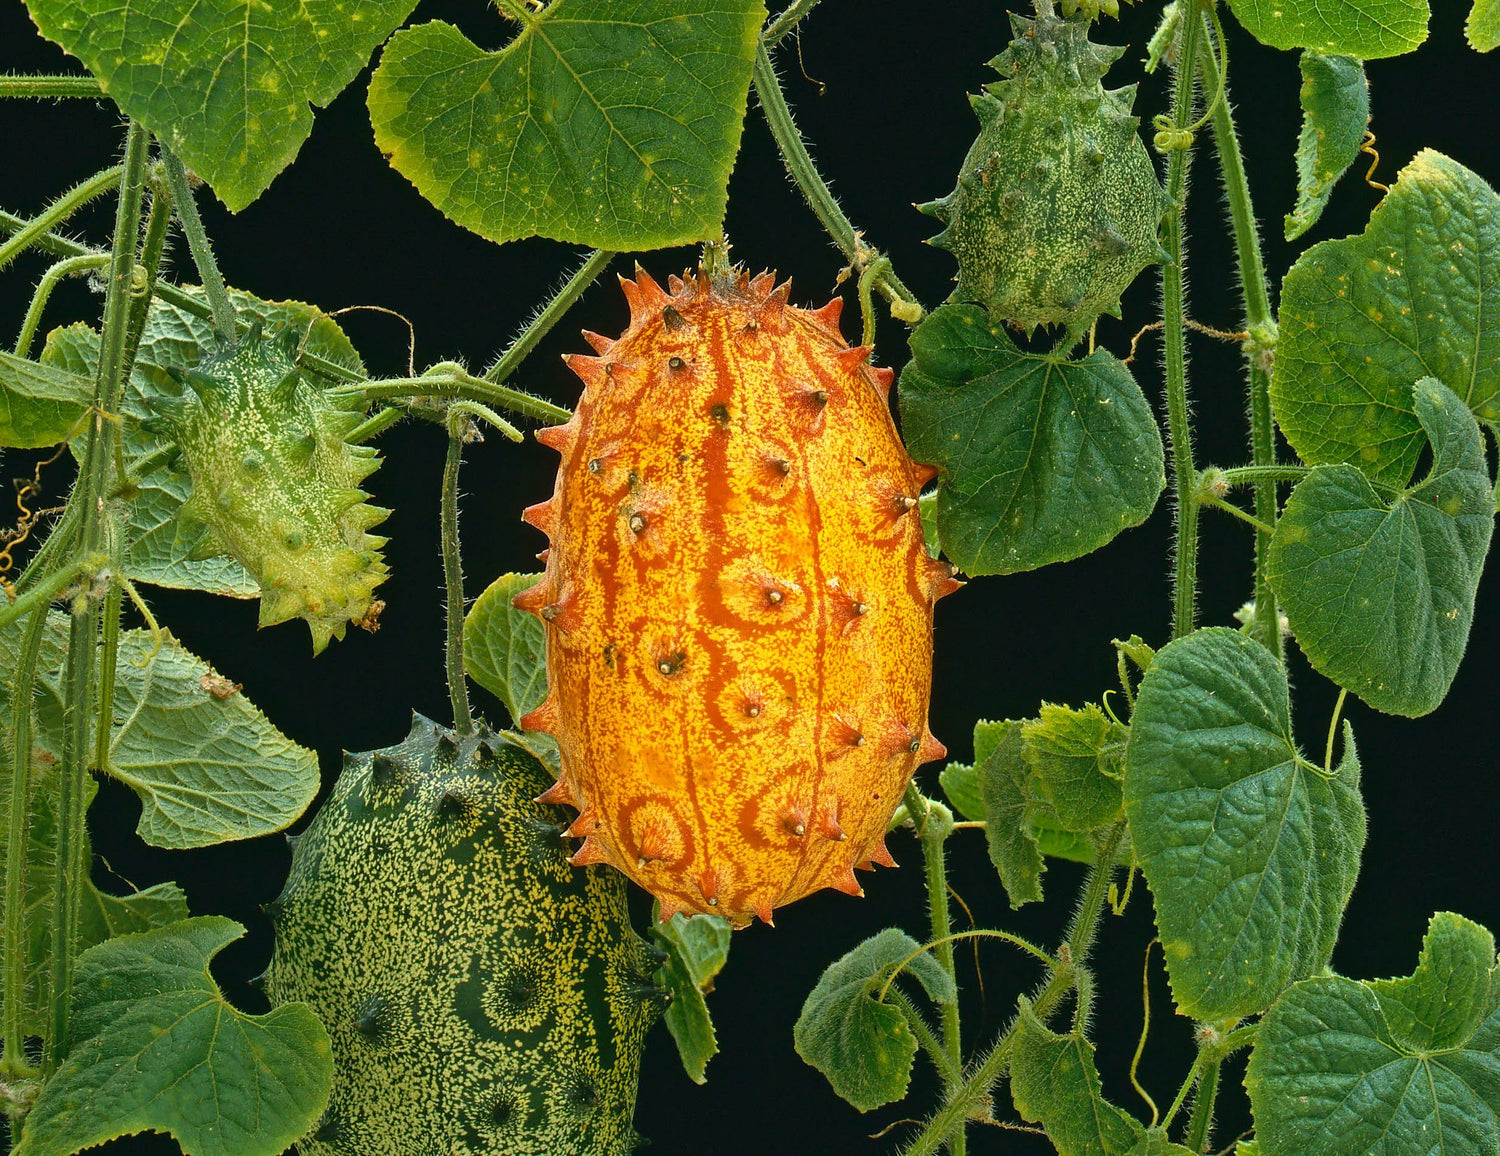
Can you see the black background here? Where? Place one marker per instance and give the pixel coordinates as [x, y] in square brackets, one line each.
[340, 228]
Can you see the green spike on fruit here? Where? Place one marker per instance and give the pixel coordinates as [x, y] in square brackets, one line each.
[482, 995]
[1057, 206]
[276, 485]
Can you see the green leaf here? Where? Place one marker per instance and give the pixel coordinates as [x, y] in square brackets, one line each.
[960, 783]
[1380, 594]
[1250, 850]
[1364, 28]
[1012, 845]
[1342, 1068]
[927, 507]
[1335, 109]
[1363, 317]
[156, 1047]
[1483, 25]
[1074, 757]
[225, 83]
[697, 948]
[505, 649]
[602, 124]
[1043, 459]
[863, 1047]
[39, 404]
[208, 769]
[1156, 1144]
[1054, 1083]
[176, 339]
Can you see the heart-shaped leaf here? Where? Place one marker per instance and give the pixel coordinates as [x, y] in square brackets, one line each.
[1250, 850]
[1363, 28]
[225, 83]
[1380, 594]
[604, 124]
[1342, 1068]
[1043, 459]
[157, 1048]
[1413, 296]
[1335, 109]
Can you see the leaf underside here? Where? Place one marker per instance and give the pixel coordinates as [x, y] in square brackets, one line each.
[1335, 109]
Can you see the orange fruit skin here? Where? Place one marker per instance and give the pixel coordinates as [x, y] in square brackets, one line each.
[738, 601]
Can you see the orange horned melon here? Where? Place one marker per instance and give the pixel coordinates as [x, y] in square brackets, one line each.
[738, 601]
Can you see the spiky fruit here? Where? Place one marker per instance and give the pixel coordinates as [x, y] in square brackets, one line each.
[482, 996]
[1057, 204]
[738, 601]
[276, 484]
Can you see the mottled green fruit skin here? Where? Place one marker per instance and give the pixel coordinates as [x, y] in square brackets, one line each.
[1057, 205]
[482, 995]
[276, 484]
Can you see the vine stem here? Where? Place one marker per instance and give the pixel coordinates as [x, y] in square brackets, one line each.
[67, 267]
[79, 677]
[1174, 343]
[460, 385]
[789, 18]
[919, 1028]
[453, 576]
[550, 314]
[1202, 1118]
[1079, 939]
[799, 164]
[225, 323]
[31, 232]
[49, 87]
[1259, 348]
[936, 826]
[1258, 475]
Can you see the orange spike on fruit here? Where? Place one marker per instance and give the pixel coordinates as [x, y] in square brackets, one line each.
[924, 474]
[543, 718]
[762, 283]
[559, 437]
[533, 598]
[881, 854]
[559, 794]
[600, 343]
[590, 370]
[586, 823]
[543, 516]
[763, 911]
[699, 516]
[844, 880]
[931, 750]
[883, 376]
[592, 851]
[667, 906]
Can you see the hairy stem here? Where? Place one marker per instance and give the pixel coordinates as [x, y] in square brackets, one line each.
[453, 578]
[1201, 1121]
[819, 197]
[550, 315]
[1179, 422]
[915, 1020]
[935, 831]
[31, 232]
[49, 87]
[225, 323]
[1257, 475]
[67, 267]
[788, 19]
[1080, 937]
[461, 385]
[153, 248]
[109, 653]
[1260, 324]
[43, 592]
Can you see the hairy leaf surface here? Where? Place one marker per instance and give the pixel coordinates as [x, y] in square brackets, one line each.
[505, 651]
[40, 404]
[1416, 295]
[1250, 850]
[1043, 459]
[1387, 1067]
[697, 948]
[225, 83]
[1380, 594]
[1335, 109]
[1363, 28]
[865, 1048]
[604, 123]
[157, 1047]
[1054, 1083]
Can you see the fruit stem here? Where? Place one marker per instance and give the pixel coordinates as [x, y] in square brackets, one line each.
[1179, 423]
[819, 197]
[32, 232]
[453, 576]
[550, 314]
[225, 325]
[962, 1102]
[1258, 349]
[936, 827]
[49, 87]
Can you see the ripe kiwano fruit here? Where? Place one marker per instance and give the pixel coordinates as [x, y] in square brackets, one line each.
[482, 996]
[738, 601]
[276, 484]
[1057, 204]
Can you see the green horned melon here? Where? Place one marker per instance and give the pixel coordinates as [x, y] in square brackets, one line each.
[1057, 204]
[276, 484]
[482, 995]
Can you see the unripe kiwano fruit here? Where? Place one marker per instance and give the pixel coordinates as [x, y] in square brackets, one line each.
[1057, 205]
[738, 601]
[482, 995]
[276, 484]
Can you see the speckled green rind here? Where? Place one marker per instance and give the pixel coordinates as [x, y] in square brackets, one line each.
[483, 996]
[1057, 204]
[276, 485]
